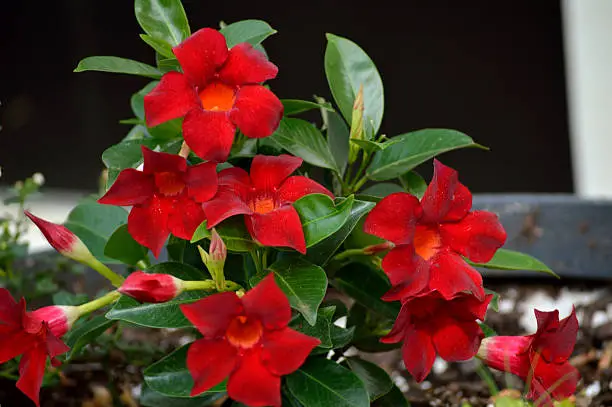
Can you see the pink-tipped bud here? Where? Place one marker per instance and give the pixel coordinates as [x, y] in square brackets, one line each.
[503, 353]
[146, 287]
[215, 260]
[218, 250]
[378, 248]
[59, 318]
[62, 239]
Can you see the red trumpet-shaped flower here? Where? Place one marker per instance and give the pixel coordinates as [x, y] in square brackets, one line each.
[432, 235]
[35, 336]
[541, 359]
[218, 91]
[429, 325]
[166, 197]
[265, 198]
[146, 287]
[248, 340]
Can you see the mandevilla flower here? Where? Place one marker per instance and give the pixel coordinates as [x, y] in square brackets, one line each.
[541, 359]
[152, 287]
[429, 324]
[34, 335]
[265, 198]
[432, 235]
[166, 197]
[218, 91]
[248, 340]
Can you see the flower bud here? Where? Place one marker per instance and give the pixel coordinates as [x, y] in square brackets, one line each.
[146, 287]
[59, 318]
[357, 131]
[215, 259]
[378, 248]
[502, 352]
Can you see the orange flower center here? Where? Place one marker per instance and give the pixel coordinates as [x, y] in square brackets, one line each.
[426, 241]
[244, 332]
[217, 97]
[263, 205]
[169, 183]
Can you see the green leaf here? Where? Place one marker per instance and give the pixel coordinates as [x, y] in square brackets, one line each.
[162, 47]
[347, 67]
[369, 146]
[487, 330]
[376, 380]
[321, 329]
[63, 297]
[151, 398]
[494, 304]
[324, 383]
[295, 106]
[170, 376]
[161, 315]
[341, 337]
[320, 217]
[117, 65]
[413, 183]
[393, 398]
[94, 224]
[164, 132]
[304, 140]
[337, 138]
[303, 283]
[127, 154]
[137, 100]
[411, 149]
[86, 333]
[122, 246]
[369, 327]
[505, 259]
[233, 231]
[382, 189]
[163, 20]
[251, 31]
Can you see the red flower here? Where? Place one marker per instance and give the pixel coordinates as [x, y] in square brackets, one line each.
[265, 199]
[218, 90]
[541, 359]
[151, 287]
[248, 339]
[430, 325]
[432, 235]
[34, 335]
[166, 197]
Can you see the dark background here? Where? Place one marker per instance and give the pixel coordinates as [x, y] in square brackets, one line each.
[492, 70]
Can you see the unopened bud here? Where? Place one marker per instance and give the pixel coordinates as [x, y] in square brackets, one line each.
[155, 288]
[378, 248]
[218, 250]
[215, 260]
[59, 318]
[38, 179]
[357, 131]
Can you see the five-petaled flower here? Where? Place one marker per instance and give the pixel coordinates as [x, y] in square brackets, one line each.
[432, 235]
[34, 335]
[429, 324]
[540, 359]
[166, 197]
[248, 340]
[265, 198]
[219, 90]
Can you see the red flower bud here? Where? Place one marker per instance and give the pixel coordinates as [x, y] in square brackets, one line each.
[151, 287]
[378, 248]
[59, 318]
[218, 250]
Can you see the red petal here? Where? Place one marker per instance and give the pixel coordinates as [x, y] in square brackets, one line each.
[285, 350]
[173, 97]
[31, 372]
[235, 180]
[468, 307]
[201, 181]
[418, 353]
[451, 275]
[394, 218]
[268, 303]
[407, 272]
[14, 343]
[399, 326]
[280, 227]
[148, 223]
[252, 384]
[209, 134]
[559, 380]
[477, 236]
[246, 65]
[55, 346]
[269, 172]
[455, 341]
[444, 199]
[132, 187]
[162, 162]
[555, 338]
[185, 217]
[10, 311]
[211, 315]
[201, 55]
[209, 362]
[234, 187]
[257, 111]
[297, 186]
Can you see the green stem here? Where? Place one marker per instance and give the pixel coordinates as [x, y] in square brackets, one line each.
[348, 253]
[105, 272]
[209, 285]
[144, 263]
[487, 377]
[357, 181]
[359, 184]
[98, 303]
[255, 256]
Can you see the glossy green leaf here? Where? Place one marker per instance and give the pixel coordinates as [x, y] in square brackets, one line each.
[162, 47]
[337, 138]
[505, 259]
[394, 398]
[320, 217]
[376, 380]
[86, 333]
[127, 154]
[233, 232]
[324, 383]
[413, 183]
[321, 329]
[296, 106]
[251, 31]
[369, 146]
[382, 189]
[303, 283]
[348, 67]
[411, 149]
[117, 65]
[163, 20]
[341, 337]
[304, 140]
[167, 64]
[122, 246]
[94, 224]
[161, 315]
[170, 376]
[151, 398]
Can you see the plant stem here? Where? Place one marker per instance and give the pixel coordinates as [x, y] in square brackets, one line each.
[98, 303]
[359, 184]
[143, 264]
[255, 255]
[105, 272]
[209, 285]
[348, 253]
[485, 375]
